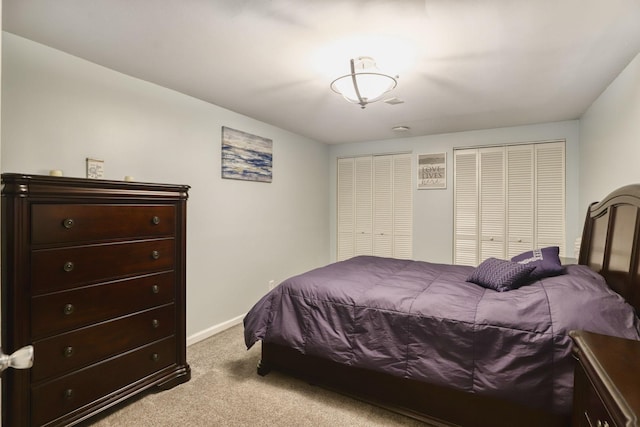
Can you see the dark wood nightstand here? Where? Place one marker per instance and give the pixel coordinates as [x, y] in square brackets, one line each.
[607, 381]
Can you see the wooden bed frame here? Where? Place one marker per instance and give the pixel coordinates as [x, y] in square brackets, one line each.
[610, 246]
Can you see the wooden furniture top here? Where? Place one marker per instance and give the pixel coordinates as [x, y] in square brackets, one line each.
[614, 365]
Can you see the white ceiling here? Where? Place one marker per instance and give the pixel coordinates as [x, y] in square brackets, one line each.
[463, 64]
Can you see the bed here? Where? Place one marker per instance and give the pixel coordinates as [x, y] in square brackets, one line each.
[420, 339]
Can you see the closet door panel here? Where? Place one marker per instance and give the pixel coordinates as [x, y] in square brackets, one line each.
[402, 207]
[492, 203]
[363, 205]
[550, 195]
[375, 206]
[383, 206]
[346, 246]
[345, 208]
[520, 191]
[508, 200]
[383, 245]
[465, 166]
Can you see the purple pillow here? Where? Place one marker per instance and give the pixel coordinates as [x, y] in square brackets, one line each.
[500, 275]
[545, 261]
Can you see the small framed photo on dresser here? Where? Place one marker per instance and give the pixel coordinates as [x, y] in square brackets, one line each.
[95, 168]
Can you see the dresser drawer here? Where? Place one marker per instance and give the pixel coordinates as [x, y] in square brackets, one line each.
[594, 412]
[606, 379]
[63, 223]
[56, 398]
[63, 311]
[81, 347]
[66, 268]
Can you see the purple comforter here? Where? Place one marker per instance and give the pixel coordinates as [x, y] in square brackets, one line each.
[424, 321]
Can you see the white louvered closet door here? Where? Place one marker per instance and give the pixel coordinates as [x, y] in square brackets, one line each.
[375, 206]
[363, 206]
[520, 201]
[345, 214]
[492, 203]
[465, 169]
[402, 207]
[508, 200]
[550, 195]
[383, 206]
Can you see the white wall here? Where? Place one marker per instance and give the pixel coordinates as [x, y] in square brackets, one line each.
[610, 138]
[59, 109]
[433, 209]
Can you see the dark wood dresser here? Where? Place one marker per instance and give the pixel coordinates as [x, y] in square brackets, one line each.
[607, 381]
[93, 277]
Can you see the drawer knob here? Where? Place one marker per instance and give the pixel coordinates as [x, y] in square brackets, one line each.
[155, 289]
[68, 266]
[155, 220]
[68, 393]
[155, 357]
[602, 424]
[68, 351]
[68, 309]
[155, 254]
[68, 223]
[155, 323]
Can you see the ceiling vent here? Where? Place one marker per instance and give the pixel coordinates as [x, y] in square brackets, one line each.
[394, 101]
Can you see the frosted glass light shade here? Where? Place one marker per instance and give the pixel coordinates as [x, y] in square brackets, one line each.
[365, 84]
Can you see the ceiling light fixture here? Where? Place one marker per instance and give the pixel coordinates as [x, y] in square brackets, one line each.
[365, 84]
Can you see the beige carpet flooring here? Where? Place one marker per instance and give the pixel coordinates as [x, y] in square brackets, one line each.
[226, 391]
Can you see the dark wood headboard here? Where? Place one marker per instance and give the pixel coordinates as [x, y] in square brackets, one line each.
[611, 241]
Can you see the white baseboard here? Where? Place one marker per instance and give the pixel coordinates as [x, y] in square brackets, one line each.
[216, 329]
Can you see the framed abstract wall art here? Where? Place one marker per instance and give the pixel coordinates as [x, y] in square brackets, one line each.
[245, 156]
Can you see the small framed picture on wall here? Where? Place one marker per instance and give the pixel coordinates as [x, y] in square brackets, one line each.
[432, 171]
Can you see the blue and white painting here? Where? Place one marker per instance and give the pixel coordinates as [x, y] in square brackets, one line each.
[245, 156]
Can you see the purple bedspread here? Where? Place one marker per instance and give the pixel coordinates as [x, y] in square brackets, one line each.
[424, 321]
